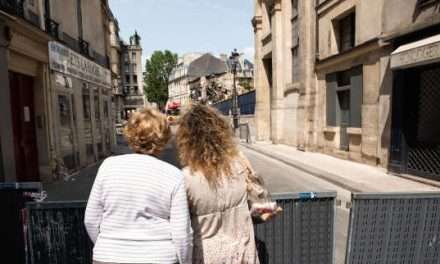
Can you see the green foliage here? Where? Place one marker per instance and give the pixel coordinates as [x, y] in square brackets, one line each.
[157, 72]
[247, 84]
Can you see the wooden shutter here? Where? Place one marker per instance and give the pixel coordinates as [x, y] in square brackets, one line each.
[356, 97]
[331, 99]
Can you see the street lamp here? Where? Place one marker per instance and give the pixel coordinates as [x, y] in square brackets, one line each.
[235, 67]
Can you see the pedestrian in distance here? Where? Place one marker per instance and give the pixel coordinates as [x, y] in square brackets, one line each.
[137, 211]
[220, 183]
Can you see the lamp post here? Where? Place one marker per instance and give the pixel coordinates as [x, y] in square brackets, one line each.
[235, 66]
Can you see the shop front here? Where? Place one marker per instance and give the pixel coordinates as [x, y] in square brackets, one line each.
[82, 107]
[415, 146]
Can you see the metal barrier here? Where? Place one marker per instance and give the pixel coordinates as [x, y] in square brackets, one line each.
[245, 133]
[302, 234]
[56, 233]
[13, 197]
[394, 228]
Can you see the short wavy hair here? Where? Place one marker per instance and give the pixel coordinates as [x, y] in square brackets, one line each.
[147, 131]
[205, 143]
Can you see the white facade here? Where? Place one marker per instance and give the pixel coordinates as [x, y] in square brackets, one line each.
[178, 87]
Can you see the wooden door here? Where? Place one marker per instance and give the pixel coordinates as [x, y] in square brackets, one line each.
[23, 120]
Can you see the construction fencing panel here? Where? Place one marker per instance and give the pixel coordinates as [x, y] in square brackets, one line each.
[56, 233]
[302, 234]
[394, 228]
[13, 197]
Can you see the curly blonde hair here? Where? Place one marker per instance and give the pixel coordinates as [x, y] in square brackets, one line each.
[205, 143]
[147, 131]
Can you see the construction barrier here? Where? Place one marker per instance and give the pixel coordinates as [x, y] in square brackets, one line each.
[302, 234]
[56, 233]
[394, 228]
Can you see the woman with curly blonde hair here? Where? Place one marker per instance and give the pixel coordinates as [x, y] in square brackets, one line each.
[219, 181]
[137, 210]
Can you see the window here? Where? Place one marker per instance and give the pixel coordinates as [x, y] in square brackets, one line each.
[135, 89]
[97, 105]
[133, 56]
[295, 64]
[294, 8]
[344, 98]
[134, 67]
[135, 78]
[347, 28]
[86, 103]
[127, 68]
[127, 78]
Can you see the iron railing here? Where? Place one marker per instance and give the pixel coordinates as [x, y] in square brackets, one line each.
[84, 47]
[13, 7]
[52, 28]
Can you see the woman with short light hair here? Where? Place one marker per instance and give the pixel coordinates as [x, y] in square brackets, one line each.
[137, 210]
[219, 183]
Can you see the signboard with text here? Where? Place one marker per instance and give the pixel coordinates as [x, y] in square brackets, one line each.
[67, 61]
[416, 56]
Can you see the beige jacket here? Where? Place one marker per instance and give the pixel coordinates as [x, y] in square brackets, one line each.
[220, 217]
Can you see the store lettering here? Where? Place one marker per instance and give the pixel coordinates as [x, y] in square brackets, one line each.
[416, 56]
[69, 62]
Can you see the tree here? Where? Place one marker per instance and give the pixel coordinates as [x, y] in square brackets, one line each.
[157, 71]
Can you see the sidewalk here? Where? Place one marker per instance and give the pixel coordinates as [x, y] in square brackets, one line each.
[352, 176]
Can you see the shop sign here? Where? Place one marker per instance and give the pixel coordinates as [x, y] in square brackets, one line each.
[416, 56]
[67, 61]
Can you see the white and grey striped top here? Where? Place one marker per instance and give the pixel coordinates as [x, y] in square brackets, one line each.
[138, 213]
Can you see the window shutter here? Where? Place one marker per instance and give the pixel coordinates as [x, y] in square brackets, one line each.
[356, 97]
[331, 99]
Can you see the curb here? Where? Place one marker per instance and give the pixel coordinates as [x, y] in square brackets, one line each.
[327, 176]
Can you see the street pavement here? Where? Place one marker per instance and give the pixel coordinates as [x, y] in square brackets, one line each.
[279, 178]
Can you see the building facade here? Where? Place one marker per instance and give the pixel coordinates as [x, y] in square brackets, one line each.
[132, 76]
[330, 77]
[56, 101]
[178, 87]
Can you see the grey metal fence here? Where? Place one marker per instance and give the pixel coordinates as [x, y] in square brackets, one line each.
[302, 234]
[56, 233]
[394, 228]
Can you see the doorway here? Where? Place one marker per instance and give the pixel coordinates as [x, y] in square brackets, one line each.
[415, 147]
[23, 124]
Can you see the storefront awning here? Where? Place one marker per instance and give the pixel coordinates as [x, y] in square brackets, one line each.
[425, 51]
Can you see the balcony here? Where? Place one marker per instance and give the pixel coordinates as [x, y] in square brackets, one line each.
[52, 28]
[84, 47]
[13, 7]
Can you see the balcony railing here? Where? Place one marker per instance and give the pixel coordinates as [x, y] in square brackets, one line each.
[84, 47]
[13, 7]
[52, 28]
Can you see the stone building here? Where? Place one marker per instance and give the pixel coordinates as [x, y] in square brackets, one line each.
[203, 76]
[56, 87]
[211, 78]
[115, 47]
[178, 87]
[330, 75]
[132, 76]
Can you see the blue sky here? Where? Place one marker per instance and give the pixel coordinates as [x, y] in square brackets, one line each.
[216, 26]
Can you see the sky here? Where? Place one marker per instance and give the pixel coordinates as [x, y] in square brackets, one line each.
[216, 26]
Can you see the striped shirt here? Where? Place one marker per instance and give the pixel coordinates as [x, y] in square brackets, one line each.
[138, 213]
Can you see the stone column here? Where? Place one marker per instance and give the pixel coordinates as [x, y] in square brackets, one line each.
[262, 107]
[7, 154]
[278, 82]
